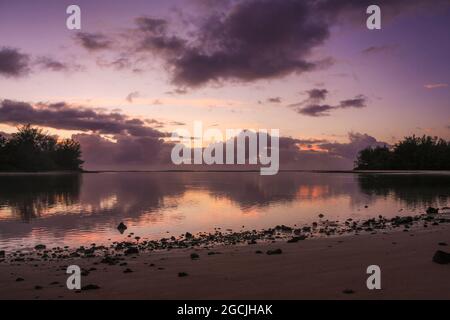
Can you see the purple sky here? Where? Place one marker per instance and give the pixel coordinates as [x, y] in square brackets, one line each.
[139, 69]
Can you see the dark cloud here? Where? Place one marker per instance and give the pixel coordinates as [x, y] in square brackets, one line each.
[64, 116]
[274, 100]
[93, 41]
[313, 107]
[241, 40]
[316, 110]
[357, 102]
[317, 94]
[13, 63]
[252, 40]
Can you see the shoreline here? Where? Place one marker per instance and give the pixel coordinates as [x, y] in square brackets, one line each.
[317, 268]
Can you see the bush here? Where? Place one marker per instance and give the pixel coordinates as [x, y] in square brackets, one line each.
[412, 153]
[30, 149]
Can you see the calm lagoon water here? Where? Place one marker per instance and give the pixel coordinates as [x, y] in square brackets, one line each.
[80, 209]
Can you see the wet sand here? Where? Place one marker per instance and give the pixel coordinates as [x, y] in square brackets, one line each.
[318, 268]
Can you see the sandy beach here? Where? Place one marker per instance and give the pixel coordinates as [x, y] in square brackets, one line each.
[319, 268]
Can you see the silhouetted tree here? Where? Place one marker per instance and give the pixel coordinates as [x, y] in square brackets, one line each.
[412, 153]
[30, 149]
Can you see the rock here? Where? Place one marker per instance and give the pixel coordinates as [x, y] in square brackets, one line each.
[122, 227]
[258, 251]
[2, 253]
[321, 216]
[188, 235]
[182, 274]
[441, 257]
[20, 279]
[131, 250]
[296, 239]
[40, 247]
[272, 252]
[38, 288]
[109, 260]
[195, 256]
[442, 243]
[127, 270]
[348, 291]
[90, 287]
[432, 210]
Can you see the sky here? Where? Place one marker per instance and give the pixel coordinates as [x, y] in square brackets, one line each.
[139, 69]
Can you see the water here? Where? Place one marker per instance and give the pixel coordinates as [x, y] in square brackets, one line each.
[73, 210]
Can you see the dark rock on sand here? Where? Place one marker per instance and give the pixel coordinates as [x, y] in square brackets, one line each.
[348, 291]
[296, 239]
[131, 250]
[272, 252]
[38, 288]
[441, 257]
[40, 247]
[109, 260]
[442, 243]
[20, 279]
[432, 210]
[195, 256]
[2, 253]
[127, 270]
[90, 287]
[122, 227]
[182, 274]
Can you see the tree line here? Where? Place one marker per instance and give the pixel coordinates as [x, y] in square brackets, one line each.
[31, 150]
[412, 153]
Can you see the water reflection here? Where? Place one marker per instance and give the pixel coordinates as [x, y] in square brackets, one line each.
[415, 190]
[31, 196]
[87, 207]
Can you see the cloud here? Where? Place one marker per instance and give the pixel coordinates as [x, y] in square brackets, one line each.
[13, 63]
[316, 110]
[93, 41]
[378, 49]
[317, 94]
[357, 142]
[240, 40]
[67, 117]
[124, 151]
[313, 107]
[274, 100]
[357, 102]
[436, 85]
[177, 91]
[51, 64]
[237, 44]
[132, 95]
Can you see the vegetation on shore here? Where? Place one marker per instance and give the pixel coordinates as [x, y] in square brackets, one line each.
[412, 153]
[31, 150]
